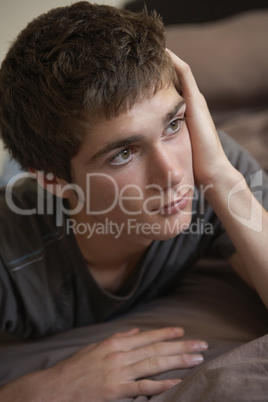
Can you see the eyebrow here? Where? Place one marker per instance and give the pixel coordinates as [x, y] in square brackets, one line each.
[170, 115]
[117, 144]
[111, 146]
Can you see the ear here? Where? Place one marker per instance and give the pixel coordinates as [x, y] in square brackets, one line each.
[53, 184]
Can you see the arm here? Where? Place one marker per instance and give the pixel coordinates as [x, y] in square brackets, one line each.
[244, 219]
[110, 370]
[246, 223]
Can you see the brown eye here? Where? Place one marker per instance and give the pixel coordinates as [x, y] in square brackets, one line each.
[122, 157]
[125, 154]
[174, 126]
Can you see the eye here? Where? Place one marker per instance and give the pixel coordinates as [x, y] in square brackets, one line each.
[174, 126]
[122, 157]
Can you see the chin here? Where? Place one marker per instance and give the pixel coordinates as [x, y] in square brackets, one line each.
[172, 228]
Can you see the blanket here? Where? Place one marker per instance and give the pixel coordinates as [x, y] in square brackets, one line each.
[211, 303]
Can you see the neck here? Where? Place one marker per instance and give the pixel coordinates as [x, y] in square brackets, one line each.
[109, 261]
[110, 257]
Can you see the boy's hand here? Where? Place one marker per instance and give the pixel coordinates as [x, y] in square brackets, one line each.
[113, 369]
[209, 159]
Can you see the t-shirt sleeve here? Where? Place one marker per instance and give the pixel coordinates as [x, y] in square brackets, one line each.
[256, 179]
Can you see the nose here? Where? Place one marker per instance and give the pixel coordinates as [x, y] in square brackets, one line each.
[164, 166]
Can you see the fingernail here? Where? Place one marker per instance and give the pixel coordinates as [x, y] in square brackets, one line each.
[200, 346]
[175, 382]
[197, 359]
[179, 331]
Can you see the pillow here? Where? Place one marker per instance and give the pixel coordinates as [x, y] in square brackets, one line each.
[229, 58]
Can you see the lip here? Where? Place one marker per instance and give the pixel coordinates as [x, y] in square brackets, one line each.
[175, 206]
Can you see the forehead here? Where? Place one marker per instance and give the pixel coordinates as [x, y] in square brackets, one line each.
[140, 120]
[156, 105]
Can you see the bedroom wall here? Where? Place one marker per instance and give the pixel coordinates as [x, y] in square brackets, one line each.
[15, 14]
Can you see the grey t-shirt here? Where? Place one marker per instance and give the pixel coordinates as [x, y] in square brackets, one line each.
[45, 284]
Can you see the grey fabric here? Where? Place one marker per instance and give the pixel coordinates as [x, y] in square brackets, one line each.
[211, 303]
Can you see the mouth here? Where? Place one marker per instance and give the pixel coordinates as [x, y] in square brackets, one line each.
[175, 206]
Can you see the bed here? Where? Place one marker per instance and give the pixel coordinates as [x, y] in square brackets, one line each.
[211, 303]
[229, 59]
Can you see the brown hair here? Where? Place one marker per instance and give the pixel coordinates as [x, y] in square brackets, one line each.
[72, 64]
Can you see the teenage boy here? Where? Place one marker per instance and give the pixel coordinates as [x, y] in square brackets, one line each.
[92, 106]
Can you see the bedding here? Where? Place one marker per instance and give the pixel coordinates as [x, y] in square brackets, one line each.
[230, 61]
[211, 303]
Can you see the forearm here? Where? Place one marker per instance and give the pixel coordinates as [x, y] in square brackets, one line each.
[246, 222]
[34, 387]
[214, 172]
[41, 386]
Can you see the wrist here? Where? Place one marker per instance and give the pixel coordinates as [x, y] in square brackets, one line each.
[29, 388]
[218, 188]
[46, 385]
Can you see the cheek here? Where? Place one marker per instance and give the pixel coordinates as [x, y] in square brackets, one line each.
[101, 191]
[131, 191]
[105, 194]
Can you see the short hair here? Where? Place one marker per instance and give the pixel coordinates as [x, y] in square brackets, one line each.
[71, 65]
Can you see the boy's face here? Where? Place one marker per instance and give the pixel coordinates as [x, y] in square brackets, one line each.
[136, 169]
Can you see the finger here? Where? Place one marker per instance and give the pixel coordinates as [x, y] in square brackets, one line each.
[197, 112]
[189, 86]
[148, 387]
[160, 364]
[124, 334]
[130, 332]
[164, 349]
[149, 337]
